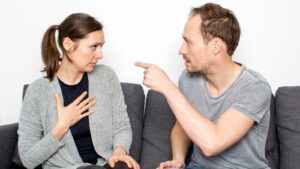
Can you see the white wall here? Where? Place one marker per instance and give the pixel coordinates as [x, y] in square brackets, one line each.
[140, 30]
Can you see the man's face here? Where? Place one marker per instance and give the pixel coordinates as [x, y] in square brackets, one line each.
[193, 49]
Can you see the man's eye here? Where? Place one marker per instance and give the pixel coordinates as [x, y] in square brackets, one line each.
[189, 42]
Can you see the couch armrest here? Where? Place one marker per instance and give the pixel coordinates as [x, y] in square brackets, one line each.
[288, 119]
[8, 142]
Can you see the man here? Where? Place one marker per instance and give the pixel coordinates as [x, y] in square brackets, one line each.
[221, 106]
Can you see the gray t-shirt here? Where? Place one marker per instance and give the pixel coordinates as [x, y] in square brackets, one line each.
[250, 94]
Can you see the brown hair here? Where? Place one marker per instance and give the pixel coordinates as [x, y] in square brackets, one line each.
[219, 22]
[76, 26]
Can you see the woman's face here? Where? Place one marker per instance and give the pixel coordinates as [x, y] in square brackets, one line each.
[87, 51]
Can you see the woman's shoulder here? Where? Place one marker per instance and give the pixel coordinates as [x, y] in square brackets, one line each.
[104, 74]
[103, 69]
[37, 87]
[39, 84]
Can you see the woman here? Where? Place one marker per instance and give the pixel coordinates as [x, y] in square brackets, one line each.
[75, 117]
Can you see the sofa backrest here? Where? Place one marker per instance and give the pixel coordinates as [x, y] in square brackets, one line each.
[134, 99]
[287, 101]
[158, 123]
[151, 144]
[272, 139]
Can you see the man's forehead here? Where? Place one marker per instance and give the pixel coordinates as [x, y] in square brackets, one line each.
[192, 25]
[194, 21]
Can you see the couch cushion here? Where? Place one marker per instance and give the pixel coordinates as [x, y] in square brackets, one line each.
[272, 140]
[8, 143]
[134, 99]
[288, 119]
[158, 123]
[16, 161]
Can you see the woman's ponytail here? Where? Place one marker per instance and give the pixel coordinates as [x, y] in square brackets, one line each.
[50, 52]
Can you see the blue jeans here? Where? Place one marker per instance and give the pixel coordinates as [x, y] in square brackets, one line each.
[193, 166]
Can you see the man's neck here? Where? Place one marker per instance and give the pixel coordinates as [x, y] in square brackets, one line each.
[222, 78]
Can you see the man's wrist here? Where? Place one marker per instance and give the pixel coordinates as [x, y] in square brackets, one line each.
[170, 87]
[180, 160]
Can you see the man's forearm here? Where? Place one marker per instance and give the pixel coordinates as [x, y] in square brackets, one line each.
[180, 143]
[199, 129]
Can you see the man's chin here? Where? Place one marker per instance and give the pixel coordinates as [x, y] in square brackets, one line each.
[192, 71]
[189, 69]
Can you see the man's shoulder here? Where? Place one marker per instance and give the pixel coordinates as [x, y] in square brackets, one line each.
[253, 80]
[254, 77]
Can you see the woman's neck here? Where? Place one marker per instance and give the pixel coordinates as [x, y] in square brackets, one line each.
[68, 73]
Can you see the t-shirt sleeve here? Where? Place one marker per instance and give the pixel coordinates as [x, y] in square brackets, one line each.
[254, 100]
[183, 77]
[180, 85]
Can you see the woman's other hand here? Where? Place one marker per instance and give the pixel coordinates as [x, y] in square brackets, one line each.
[119, 155]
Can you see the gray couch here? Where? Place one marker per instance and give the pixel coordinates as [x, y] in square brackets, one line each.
[152, 121]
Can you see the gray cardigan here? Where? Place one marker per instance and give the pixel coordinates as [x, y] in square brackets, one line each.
[109, 124]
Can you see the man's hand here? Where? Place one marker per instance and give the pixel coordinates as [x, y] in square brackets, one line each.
[154, 77]
[171, 164]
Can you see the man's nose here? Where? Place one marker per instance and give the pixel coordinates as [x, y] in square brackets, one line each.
[183, 49]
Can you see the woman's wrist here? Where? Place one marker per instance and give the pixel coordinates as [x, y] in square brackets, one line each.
[120, 150]
[59, 131]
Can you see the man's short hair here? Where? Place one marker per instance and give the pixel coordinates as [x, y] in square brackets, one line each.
[218, 22]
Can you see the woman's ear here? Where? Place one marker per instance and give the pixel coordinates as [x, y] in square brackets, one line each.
[68, 44]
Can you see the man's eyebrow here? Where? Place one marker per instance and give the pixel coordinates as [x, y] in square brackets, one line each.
[186, 39]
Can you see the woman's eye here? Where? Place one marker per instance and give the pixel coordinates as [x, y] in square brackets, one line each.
[94, 46]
